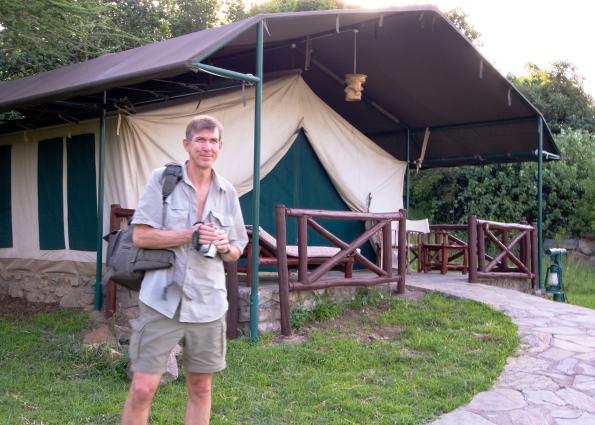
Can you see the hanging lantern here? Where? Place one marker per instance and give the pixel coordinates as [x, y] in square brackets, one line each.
[354, 89]
[355, 82]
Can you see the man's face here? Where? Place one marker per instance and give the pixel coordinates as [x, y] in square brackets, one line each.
[203, 149]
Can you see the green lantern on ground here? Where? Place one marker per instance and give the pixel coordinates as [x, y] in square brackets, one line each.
[553, 278]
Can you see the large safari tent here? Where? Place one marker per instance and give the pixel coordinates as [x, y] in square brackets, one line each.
[90, 133]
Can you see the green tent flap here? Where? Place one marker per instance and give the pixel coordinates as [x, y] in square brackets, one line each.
[82, 193]
[5, 195]
[300, 181]
[50, 165]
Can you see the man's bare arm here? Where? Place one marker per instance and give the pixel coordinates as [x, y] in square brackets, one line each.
[144, 236]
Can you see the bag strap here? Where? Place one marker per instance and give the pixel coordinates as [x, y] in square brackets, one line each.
[171, 177]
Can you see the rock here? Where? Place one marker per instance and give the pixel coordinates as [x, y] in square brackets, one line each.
[462, 417]
[498, 400]
[102, 334]
[584, 382]
[535, 416]
[577, 399]
[586, 247]
[122, 334]
[543, 397]
[528, 381]
[584, 419]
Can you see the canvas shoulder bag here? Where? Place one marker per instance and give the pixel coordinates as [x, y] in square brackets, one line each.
[126, 264]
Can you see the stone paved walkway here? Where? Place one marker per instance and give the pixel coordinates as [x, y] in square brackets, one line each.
[550, 380]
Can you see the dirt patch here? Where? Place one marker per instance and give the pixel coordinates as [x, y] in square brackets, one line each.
[20, 306]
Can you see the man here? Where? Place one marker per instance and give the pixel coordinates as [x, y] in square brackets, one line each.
[189, 300]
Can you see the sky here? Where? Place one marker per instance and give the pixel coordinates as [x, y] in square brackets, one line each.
[514, 32]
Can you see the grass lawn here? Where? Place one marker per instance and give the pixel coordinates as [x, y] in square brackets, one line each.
[383, 360]
[579, 282]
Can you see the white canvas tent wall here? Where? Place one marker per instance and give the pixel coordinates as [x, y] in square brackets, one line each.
[138, 143]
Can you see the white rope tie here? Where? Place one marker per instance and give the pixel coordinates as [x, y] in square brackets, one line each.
[355, 51]
[420, 160]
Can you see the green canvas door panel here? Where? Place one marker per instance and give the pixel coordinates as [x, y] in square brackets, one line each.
[5, 197]
[300, 181]
[82, 193]
[50, 194]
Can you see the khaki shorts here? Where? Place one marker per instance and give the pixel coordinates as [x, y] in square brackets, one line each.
[154, 336]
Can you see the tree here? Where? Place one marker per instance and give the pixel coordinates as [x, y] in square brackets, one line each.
[38, 35]
[559, 94]
[506, 192]
[274, 6]
[460, 19]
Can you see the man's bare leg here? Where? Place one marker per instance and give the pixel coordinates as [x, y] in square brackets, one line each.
[140, 396]
[198, 409]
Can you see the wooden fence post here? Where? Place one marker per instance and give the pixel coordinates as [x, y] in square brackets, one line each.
[302, 222]
[233, 298]
[283, 271]
[472, 231]
[402, 251]
[387, 249]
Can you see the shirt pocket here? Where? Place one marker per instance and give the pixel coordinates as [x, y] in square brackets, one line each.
[224, 221]
[177, 216]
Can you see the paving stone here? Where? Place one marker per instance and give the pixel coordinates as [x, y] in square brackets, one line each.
[571, 346]
[584, 382]
[498, 399]
[528, 381]
[565, 413]
[584, 419]
[585, 369]
[543, 397]
[556, 354]
[579, 318]
[553, 371]
[560, 330]
[587, 357]
[535, 416]
[567, 365]
[577, 399]
[527, 364]
[587, 341]
[462, 417]
[558, 378]
[537, 342]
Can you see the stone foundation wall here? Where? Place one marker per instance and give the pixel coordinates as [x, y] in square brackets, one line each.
[269, 309]
[59, 288]
[521, 285]
[582, 250]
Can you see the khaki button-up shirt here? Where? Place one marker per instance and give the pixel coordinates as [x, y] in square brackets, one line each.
[195, 281]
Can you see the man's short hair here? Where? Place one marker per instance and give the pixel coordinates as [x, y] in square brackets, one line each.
[202, 122]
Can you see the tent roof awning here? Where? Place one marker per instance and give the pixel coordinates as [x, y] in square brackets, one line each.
[422, 74]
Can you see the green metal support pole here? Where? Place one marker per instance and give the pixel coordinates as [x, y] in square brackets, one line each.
[539, 201]
[407, 174]
[256, 184]
[227, 73]
[99, 261]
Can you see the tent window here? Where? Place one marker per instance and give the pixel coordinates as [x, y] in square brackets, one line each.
[5, 195]
[50, 194]
[82, 194]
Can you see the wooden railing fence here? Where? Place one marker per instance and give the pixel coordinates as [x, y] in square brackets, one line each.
[510, 242]
[311, 280]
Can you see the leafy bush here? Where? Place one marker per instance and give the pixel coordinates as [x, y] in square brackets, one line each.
[507, 192]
